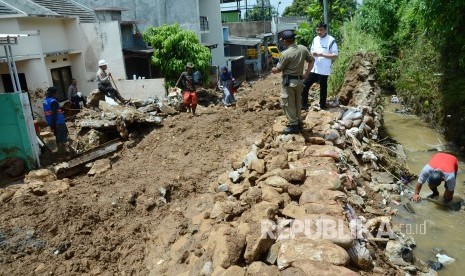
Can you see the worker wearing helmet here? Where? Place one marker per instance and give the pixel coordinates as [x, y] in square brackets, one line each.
[104, 84]
[442, 166]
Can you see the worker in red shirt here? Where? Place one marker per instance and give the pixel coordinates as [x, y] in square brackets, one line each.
[442, 166]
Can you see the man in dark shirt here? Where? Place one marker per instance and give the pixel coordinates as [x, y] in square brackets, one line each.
[73, 95]
[55, 118]
[186, 83]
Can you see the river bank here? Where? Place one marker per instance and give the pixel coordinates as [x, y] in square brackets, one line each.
[440, 228]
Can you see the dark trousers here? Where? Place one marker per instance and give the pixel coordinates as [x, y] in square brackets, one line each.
[75, 100]
[109, 91]
[308, 82]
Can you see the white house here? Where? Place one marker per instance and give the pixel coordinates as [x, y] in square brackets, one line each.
[201, 16]
[52, 57]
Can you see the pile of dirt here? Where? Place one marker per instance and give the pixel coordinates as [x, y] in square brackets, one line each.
[104, 224]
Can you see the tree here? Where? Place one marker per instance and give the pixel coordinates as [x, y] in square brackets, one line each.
[297, 8]
[173, 48]
[339, 11]
[381, 19]
[261, 11]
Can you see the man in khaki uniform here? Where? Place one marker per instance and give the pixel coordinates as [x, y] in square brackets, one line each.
[291, 64]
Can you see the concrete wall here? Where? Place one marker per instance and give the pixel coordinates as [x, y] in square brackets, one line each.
[155, 12]
[53, 32]
[185, 12]
[246, 29]
[27, 46]
[215, 35]
[36, 82]
[133, 89]
[55, 35]
[103, 41]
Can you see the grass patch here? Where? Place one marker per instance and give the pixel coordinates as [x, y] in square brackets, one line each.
[353, 41]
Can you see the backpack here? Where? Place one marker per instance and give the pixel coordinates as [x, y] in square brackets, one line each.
[197, 77]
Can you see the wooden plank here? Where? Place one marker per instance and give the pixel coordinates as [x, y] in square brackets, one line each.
[78, 163]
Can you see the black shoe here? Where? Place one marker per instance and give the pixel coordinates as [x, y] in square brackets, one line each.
[433, 195]
[294, 129]
[300, 124]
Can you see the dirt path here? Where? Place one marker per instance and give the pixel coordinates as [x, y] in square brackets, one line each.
[109, 224]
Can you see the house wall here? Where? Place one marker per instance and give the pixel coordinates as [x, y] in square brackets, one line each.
[155, 12]
[37, 82]
[246, 29]
[53, 32]
[132, 89]
[55, 35]
[185, 12]
[103, 41]
[215, 34]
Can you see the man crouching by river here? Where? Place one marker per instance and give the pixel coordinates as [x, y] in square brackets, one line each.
[442, 166]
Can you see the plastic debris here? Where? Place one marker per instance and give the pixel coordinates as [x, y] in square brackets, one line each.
[444, 259]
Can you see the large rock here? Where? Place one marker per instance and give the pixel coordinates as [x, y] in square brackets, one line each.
[318, 122]
[234, 271]
[43, 175]
[251, 196]
[318, 195]
[314, 250]
[293, 175]
[313, 162]
[277, 182]
[318, 268]
[292, 271]
[318, 208]
[323, 179]
[100, 166]
[258, 165]
[323, 151]
[257, 242]
[227, 244]
[278, 162]
[260, 211]
[293, 210]
[272, 254]
[237, 158]
[227, 210]
[94, 97]
[269, 194]
[259, 268]
[321, 226]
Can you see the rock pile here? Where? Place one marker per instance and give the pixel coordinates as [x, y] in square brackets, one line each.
[302, 205]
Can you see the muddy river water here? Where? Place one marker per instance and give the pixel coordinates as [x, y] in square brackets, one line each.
[433, 227]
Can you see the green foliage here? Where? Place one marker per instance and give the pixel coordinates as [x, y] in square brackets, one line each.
[380, 18]
[419, 78]
[261, 11]
[444, 21]
[173, 48]
[339, 11]
[353, 41]
[297, 8]
[304, 34]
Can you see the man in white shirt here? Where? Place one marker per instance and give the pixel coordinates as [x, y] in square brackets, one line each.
[324, 50]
